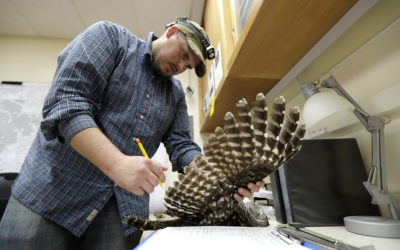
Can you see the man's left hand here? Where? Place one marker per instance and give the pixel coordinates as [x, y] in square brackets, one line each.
[252, 187]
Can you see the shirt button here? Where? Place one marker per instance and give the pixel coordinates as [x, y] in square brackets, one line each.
[141, 117]
[148, 96]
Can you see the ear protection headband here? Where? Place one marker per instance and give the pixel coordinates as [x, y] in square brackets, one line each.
[207, 47]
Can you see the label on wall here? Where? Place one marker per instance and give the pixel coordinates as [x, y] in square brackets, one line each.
[218, 67]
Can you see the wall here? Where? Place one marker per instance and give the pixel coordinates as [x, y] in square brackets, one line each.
[369, 73]
[29, 59]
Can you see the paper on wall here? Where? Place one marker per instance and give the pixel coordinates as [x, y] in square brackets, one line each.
[218, 67]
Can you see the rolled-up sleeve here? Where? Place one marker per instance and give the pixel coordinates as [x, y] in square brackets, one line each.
[80, 79]
[177, 141]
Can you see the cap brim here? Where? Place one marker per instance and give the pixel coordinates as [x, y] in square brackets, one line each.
[200, 69]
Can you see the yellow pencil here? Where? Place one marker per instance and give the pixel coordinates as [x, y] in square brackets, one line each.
[145, 154]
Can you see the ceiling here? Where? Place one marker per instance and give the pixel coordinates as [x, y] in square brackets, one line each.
[67, 18]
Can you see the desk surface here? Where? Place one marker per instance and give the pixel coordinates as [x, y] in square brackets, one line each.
[356, 240]
[339, 233]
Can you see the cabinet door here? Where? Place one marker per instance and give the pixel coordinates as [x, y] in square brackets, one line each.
[276, 35]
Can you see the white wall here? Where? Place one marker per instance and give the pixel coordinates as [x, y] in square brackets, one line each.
[29, 59]
[365, 75]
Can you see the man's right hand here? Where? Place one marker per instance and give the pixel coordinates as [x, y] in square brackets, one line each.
[136, 174]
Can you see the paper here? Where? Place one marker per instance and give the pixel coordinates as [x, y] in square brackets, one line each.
[266, 194]
[210, 84]
[205, 104]
[211, 90]
[214, 237]
[157, 197]
[218, 67]
[212, 106]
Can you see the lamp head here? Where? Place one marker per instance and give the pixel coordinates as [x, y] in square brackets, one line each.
[308, 89]
[322, 109]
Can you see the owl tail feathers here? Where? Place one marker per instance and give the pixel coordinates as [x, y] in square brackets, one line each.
[146, 225]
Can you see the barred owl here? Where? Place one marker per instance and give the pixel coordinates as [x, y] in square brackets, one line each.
[247, 149]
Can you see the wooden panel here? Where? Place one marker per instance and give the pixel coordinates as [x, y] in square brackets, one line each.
[218, 24]
[280, 33]
[229, 95]
[276, 36]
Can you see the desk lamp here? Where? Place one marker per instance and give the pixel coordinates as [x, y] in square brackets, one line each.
[320, 108]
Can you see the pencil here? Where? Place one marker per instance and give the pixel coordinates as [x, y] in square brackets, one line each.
[145, 155]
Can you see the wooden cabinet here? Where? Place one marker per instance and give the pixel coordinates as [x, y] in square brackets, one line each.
[277, 34]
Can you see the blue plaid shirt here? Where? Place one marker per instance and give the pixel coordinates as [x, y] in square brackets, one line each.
[104, 79]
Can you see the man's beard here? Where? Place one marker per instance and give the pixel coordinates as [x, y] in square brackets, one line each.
[157, 70]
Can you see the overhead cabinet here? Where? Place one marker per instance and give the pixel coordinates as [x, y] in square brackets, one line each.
[255, 56]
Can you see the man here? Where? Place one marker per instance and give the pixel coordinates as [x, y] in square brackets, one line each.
[84, 172]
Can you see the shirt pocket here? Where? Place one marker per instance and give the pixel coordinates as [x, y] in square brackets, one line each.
[158, 120]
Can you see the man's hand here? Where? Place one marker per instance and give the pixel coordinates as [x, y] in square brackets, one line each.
[243, 192]
[138, 174]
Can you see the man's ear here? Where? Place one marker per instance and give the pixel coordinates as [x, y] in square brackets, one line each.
[172, 30]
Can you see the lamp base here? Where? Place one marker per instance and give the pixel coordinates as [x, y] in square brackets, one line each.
[373, 226]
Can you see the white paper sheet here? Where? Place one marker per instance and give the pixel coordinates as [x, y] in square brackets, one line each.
[218, 72]
[157, 197]
[213, 237]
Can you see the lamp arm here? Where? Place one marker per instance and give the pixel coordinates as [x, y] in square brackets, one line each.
[361, 114]
[375, 125]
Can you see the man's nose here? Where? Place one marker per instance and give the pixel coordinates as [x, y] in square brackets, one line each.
[181, 66]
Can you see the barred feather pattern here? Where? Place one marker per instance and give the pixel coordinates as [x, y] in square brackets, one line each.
[247, 149]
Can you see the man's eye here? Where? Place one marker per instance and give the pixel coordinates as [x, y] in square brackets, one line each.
[185, 55]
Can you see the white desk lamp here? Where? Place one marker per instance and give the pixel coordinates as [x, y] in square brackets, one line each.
[320, 108]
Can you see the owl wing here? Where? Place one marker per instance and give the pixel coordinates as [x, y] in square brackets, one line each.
[255, 143]
[247, 149]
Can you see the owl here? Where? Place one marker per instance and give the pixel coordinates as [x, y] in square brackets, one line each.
[250, 147]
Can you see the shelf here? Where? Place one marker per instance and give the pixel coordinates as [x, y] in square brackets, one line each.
[276, 36]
